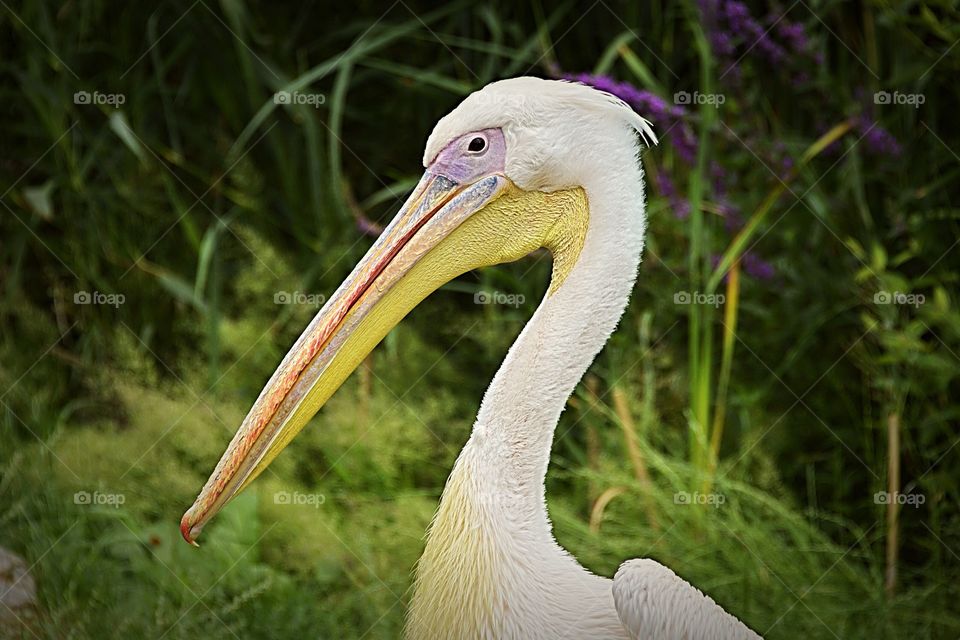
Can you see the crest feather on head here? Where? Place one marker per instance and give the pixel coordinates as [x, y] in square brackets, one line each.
[523, 99]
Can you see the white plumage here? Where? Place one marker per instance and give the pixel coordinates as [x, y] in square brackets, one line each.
[654, 602]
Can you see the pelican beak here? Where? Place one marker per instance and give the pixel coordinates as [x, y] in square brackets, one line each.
[443, 230]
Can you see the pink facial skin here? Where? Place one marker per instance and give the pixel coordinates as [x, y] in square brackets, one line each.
[464, 165]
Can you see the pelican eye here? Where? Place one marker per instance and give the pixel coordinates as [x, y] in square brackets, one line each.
[477, 145]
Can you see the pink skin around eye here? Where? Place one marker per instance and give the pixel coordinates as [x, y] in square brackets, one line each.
[460, 165]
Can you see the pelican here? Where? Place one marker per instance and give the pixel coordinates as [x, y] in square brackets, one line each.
[519, 165]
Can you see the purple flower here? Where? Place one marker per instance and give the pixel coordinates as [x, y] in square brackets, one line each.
[751, 265]
[782, 159]
[877, 139]
[740, 22]
[793, 34]
[681, 207]
[732, 220]
[756, 267]
[737, 14]
[774, 53]
[722, 44]
[732, 29]
[786, 165]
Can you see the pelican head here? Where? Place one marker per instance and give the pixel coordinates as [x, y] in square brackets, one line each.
[504, 176]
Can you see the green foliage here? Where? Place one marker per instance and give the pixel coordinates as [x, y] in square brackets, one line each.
[197, 201]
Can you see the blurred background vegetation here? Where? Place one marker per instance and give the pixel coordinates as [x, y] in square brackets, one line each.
[144, 248]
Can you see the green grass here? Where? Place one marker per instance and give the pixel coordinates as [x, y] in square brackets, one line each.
[200, 198]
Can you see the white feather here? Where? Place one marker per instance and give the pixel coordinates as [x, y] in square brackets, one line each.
[654, 602]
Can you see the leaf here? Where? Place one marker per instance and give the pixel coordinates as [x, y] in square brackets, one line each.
[120, 126]
[39, 199]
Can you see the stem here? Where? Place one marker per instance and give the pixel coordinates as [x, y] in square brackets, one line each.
[592, 384]
[622, 410]
[726, 362]
[699, 340]
[893, 507]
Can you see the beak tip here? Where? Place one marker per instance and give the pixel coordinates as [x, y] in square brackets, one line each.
[188, 531]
